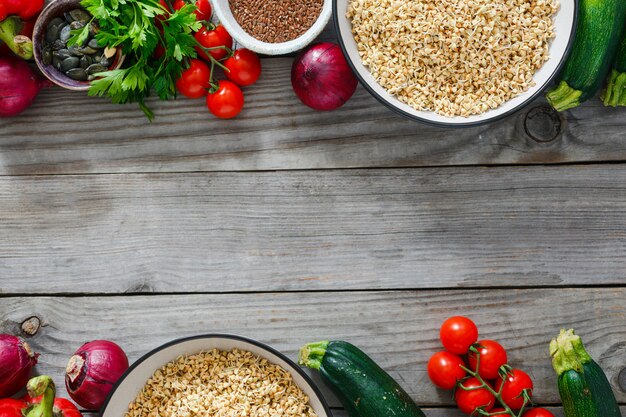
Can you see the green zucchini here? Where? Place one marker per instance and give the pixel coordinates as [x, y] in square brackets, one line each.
[615, 94]
[585, 391]
[598, 34]
[364, 389]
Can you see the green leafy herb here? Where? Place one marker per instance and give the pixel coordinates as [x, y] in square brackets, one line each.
[131, 26]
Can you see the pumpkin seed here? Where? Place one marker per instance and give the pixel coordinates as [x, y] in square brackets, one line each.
[96, 68]
[85, 61]
[69, 63]
[65, 33]
[80, 15]
[52, 34]
[77, 74]
[47, 55]
[94, 44]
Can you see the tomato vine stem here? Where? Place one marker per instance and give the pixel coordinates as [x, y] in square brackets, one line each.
[503, 372]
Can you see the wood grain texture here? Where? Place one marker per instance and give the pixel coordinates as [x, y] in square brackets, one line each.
[324, 230]
[66, 132]
[398, 329]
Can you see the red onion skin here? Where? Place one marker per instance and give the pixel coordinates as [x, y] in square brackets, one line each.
[16, 364]
[93, 370]
[18, 86]
[322, 78]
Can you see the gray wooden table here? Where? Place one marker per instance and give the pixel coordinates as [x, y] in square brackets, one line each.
[291, 226]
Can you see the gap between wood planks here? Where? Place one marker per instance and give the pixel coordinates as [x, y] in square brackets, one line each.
[344, 290]
[365, 168]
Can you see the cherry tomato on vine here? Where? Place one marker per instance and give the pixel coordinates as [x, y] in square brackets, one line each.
[194, 82]
[217, 38]
[203, 8]
[444, 369]
[457, 334]
[492, 357]
[161, 17]
[227, 101]
[538, 412]
[204, 11]
[470, 401]
[244, 67]
[513, 386]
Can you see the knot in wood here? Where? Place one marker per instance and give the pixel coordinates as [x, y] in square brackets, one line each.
[621, 380]
[543, 124]
[31, 326]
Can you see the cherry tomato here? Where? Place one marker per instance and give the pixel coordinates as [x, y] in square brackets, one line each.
[227, 101]
[492, 357]
[204, 11]
[159, 51]
[164, 5]
[538, 412]
[444, 369]
[158, 19]
[457, 334]
[194, 82]
[515, 383]
[244, 67]
[216, 38]
[203, 8]
[469, 401]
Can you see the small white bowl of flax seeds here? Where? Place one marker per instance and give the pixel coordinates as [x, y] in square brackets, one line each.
[273, 27]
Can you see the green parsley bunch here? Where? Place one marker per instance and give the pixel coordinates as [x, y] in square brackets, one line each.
[138, 27]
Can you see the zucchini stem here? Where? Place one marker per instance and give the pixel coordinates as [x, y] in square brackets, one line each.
[615, 94]
[563, 97]
[568, 352]
[312, 354]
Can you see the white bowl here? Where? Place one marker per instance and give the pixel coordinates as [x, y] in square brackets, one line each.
[138, 374]
[226, 18]
[564, 24]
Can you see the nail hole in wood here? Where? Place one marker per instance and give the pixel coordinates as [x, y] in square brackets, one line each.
[31, 326]
[621, 380]
[543, 124]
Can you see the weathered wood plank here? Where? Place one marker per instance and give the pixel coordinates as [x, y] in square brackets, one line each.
[398, 329]
[323, 230]
[68, 132]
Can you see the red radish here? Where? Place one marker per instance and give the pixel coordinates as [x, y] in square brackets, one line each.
[18, 86]
[16, 361]
[322, 78]
[93, 370]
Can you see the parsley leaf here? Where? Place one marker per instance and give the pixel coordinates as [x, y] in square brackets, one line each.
[131, 26]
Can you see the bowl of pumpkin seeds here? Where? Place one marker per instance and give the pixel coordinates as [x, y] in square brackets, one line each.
[65, 62]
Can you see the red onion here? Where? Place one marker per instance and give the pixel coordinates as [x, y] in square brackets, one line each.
[93, 370]
[321, 77]
[16, 363]
[18, 86]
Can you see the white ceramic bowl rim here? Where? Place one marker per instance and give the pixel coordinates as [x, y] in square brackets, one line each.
[226, 18]
[261, 345]
[500, 116]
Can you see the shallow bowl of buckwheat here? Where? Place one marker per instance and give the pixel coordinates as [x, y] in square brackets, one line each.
[218, 375]
[455, 63]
